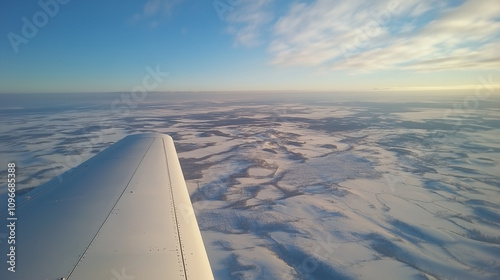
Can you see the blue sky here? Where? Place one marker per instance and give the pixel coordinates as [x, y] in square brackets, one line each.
[206, 45]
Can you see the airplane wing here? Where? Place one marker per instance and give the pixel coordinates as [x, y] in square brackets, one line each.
[124, 214]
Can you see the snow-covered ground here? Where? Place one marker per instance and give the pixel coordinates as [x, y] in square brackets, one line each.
[301, 188]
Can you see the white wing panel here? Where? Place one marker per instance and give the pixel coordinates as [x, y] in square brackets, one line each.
[116, 217]
[193, 249]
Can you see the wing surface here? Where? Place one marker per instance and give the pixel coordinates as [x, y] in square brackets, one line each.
[123, 214]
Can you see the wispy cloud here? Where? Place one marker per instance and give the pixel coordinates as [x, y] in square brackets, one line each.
[248, 20]
[465, 37]
[154, 11]
[363, 35]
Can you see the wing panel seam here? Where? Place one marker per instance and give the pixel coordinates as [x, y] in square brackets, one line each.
[175, 212]
[42, 192]
[109, 214]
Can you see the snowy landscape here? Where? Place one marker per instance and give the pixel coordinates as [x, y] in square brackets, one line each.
[297, 186]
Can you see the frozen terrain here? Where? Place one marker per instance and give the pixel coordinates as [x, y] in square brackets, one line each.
[323, 187]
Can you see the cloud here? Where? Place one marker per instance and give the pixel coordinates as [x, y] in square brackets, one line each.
[465, 37]
[309, 34]
[247, 21]
[156, 10]
[363, 35]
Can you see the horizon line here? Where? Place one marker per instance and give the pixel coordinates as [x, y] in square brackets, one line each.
[336, 91]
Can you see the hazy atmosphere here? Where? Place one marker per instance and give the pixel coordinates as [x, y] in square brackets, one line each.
[318, 139]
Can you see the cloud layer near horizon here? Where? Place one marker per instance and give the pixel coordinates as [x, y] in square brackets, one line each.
[366, 36]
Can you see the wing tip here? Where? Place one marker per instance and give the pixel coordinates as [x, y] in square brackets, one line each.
[150, 135]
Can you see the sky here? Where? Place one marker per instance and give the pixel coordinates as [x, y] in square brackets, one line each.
[248, 45]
